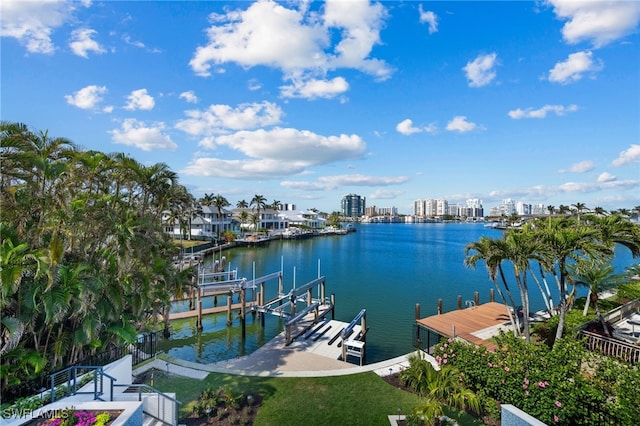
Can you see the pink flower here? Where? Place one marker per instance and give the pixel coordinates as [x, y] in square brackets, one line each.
[542, 384]
[524, 386]
[558, 404]
[526, 381]
[445, 355]
[506, 369]
[445, 361]
[490, 365]
[555, 418]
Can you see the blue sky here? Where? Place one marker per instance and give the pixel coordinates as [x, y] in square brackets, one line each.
[305, 102]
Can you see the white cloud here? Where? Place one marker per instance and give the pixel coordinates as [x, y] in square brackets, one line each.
[296, 41]
[327, 183]
[138, 134]
[140, 99]
[606, 177]
[460, 124]
[579, 167]
[254, 85]
[219, 119]
[628, 156]
[81, 43]
[286, 144]
[87, 97]
[429, 18]
[573, 68]
[189, 96]
[33, 22]
[313, 89]
[558, 110]
[585, 187]
[601, 22]
[242, 169]
[481, 71]
[276, 153]
[406, 127]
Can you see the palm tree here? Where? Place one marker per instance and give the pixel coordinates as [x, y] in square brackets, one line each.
[562, 209]
[599, 211]
[616, 229]
[598, 276]
[206, 200]
[242, 204]
[579, 207]
[565, 242]
[551, 209]
[254, 219]
[334, 220]
[438, 388]
[519, 248]
[624, 212]
[244, 218]
[259, 202]
[490, 251]
[220, 203]
[275, 205]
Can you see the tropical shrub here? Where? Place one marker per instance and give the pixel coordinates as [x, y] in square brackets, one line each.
[445, 386]
[564, 385]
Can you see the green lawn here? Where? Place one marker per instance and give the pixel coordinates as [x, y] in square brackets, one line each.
[359, 399]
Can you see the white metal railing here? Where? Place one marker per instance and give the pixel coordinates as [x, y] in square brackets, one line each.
[622, 312]
[156, 404]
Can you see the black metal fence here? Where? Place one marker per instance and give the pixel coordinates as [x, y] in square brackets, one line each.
[144, 348]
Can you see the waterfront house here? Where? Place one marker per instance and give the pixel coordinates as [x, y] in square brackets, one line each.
[303, 218]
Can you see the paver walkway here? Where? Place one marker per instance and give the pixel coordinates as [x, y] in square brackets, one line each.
[275, 359]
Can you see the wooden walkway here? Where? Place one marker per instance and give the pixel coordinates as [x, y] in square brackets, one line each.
[206, 311]
[469, 323]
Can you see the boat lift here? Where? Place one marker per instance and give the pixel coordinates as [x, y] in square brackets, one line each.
[355, 347]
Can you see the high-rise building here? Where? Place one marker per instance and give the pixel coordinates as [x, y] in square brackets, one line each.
[442, 207]
[507, 207]
[388, 211]
[353, 205]
[523, 209]
[474, 208]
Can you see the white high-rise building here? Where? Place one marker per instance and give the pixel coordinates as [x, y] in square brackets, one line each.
[442, 207]
[507, 207]
[523, 209]
[474, 208]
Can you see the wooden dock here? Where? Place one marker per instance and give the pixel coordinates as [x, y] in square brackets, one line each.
[206, 311]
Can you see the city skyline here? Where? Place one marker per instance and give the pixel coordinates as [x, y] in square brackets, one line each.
[307, 102]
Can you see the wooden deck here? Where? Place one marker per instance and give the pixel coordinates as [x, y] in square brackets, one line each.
[468, 323]
[206, 311]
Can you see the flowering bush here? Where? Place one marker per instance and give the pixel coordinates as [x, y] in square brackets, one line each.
[550, 384]
[79, 418]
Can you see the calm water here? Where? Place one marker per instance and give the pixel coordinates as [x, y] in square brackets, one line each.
[383, 268]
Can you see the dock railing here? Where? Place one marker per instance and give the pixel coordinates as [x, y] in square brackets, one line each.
[611, 347]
